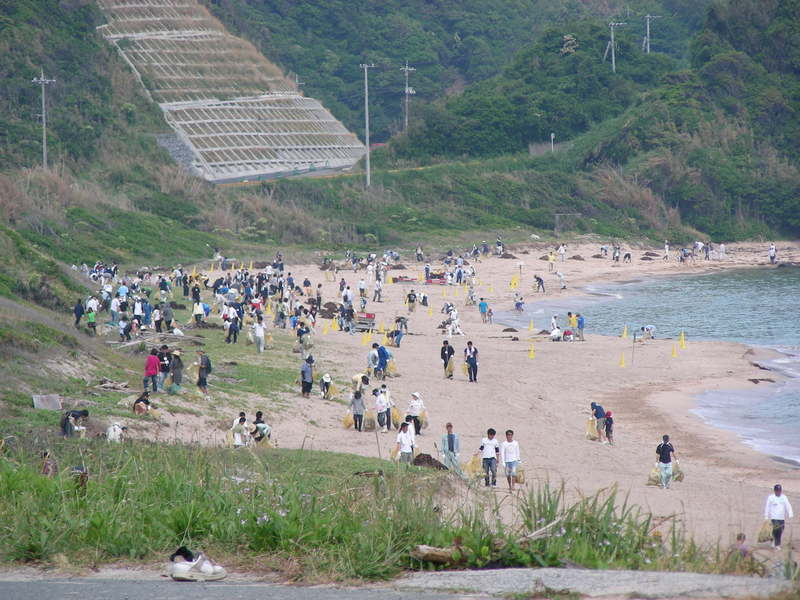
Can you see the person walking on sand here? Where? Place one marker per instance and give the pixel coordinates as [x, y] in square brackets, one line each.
[357, 406]
[665, 452]
[609, 425]
[405, 444]
[599, 420]
[307, 377]
[666, 250]
[777, 510]
[446, 354]
[411, 301]
[490, 453]
[509, 453]
[539, 284]
[773, 253]
[415, 408]
[451, 448]
[471, 358]
[581, 326]
[483, 307]
[551, 262]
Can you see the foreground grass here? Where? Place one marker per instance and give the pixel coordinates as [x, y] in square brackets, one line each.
[311, 510]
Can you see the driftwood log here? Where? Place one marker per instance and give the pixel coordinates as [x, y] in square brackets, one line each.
[445, 556]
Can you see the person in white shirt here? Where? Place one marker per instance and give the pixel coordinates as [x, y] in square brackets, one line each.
[405, 444]
[415, 408]
[509, 454]
[777, 510]
[380, 409]
[258, 333]
[376, 296]
[490, 452]
[362, 288]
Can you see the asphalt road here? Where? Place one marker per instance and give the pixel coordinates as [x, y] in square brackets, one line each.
[98, 589]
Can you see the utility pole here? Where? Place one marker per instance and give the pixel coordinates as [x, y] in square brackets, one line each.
[366, 68]
[552, 142]
[611, 45]
[646, 41]
[408, 92]
[43, 81]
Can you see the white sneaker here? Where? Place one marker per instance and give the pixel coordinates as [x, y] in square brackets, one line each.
[200, 569]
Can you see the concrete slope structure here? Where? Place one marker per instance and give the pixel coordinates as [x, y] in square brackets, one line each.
[237, 114]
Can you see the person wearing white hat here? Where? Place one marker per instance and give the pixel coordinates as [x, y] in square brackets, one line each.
[415, 408]
[325, 387]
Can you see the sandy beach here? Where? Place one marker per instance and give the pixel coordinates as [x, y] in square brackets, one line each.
[545, 399]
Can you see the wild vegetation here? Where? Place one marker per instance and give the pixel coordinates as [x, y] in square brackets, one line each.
[309, 515]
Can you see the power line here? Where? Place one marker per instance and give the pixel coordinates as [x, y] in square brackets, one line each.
[43, 81]
[646, 41]
[366, 68]
[612, 46]
[408, 92]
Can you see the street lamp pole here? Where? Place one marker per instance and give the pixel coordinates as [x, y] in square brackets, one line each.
[43, 81]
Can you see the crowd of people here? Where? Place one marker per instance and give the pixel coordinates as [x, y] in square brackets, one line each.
[252, 301]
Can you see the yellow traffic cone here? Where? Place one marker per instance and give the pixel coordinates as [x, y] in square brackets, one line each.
[491, 288]
[622, 360]
[530, 327]
[682, 341]
[382, 328]
[325, 329]
[384, 340]
[334, 325]
[444, 293]
[430, 311]
[674, 351]
[455, 292]
[625, 332]
[532, 352]
[363, 339]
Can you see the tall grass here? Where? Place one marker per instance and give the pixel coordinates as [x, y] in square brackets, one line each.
[311, 509]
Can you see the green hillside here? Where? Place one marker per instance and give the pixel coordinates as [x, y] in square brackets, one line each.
[450, 42]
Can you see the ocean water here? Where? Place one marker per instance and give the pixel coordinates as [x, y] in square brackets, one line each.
[758, 307]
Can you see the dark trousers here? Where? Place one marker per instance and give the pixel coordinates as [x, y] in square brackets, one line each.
[158, 325]
[490, 470]
[77, 320]
[388, 414]
[232, 333]
[472, 370]
[417, 425]
[198, 318]
[777, 531]
[358, 422]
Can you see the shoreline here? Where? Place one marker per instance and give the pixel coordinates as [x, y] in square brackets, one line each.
[768, 353]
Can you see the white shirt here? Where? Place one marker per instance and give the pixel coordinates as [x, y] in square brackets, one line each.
[380, 403]
[489, 447]
[415, 407]
[509, 451]
[258, 330]
[406, 441]
[778, 508]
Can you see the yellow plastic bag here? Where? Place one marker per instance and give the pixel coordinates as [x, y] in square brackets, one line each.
[765, 533]
[655, 476]
[391, 368]
[520, 475]
[423, 419]
[348, 421]
[394, 452]
[677, 472]
[591, 429]
[396, 418]
[465, 368]
[370, 421]
[451, 365]
[473, 468]
[229, 439]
